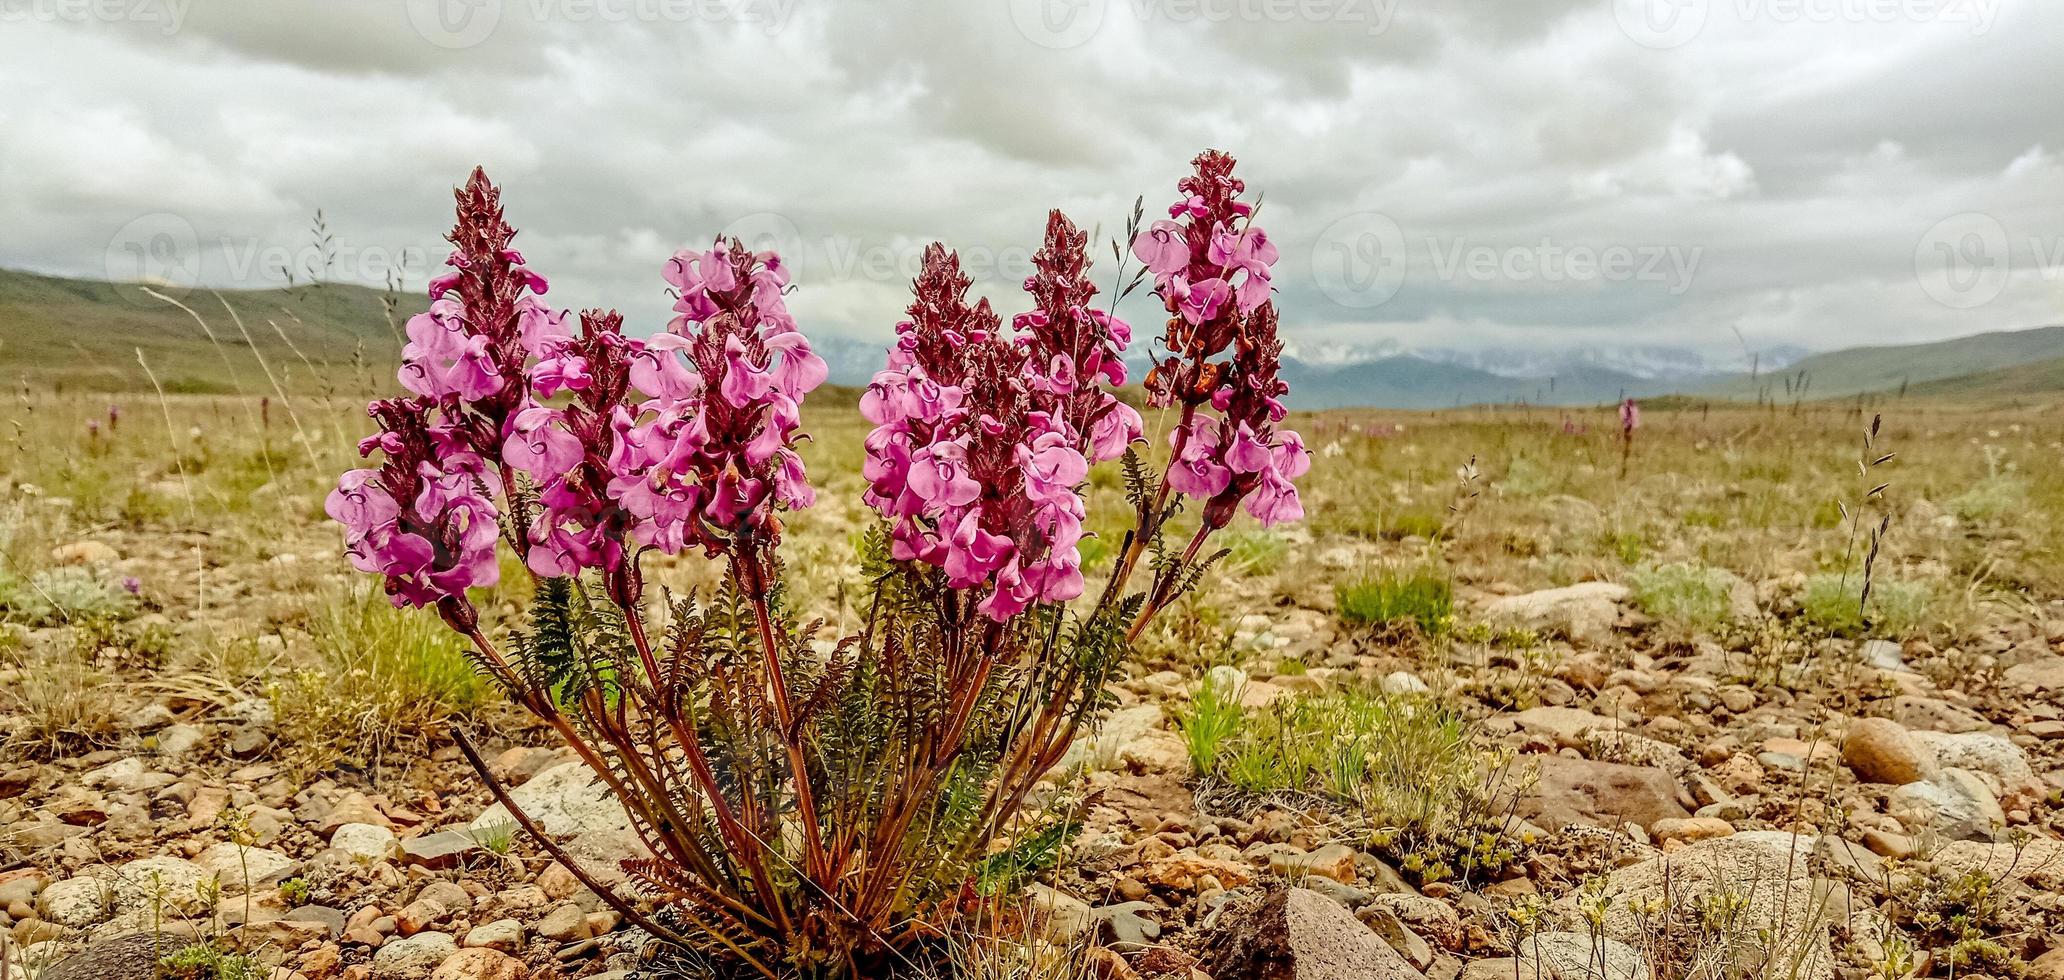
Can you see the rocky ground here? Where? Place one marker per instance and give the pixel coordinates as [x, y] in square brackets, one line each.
[1660, 800]
[1848, 815]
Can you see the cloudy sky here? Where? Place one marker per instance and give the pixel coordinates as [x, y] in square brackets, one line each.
[1439, 173]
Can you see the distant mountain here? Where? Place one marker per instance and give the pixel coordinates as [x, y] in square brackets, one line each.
[88, 334]
[1877, 369]
[100, 336]
[2034, 379]
[1413, 382]
[1650, 362]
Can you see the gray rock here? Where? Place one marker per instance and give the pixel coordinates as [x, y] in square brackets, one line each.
[363, 840]
[503, 934]
[239, 867]
[163, 882]
[413, 958]
[1599, 794]
[1984, 752]
[564, 800]
[77, 902]
[1883, 654]
[1954, 805]
[132, 956]
[1125, 927]
[1767, 868]
[1583, 612]
[1579, 956]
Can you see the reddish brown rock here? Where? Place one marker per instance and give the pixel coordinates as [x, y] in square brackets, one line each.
[1599, 794]
[1299, 934]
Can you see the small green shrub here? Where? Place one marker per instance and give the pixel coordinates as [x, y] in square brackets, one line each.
[1410, 765]
[1683, 594]
[206, 961]
[1421, 596]
[62, 704]
[1212, 718]
[64, 594]
[1414, 524]
[1896, 607]
[1253, 552]
[1991, 501]
[383, 677]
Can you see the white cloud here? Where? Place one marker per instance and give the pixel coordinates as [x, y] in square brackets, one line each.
[1791, 168]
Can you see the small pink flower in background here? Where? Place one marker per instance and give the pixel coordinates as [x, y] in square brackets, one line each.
[132, 585]
[1630, 416]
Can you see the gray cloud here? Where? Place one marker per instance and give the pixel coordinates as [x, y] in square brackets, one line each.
[1792, 178]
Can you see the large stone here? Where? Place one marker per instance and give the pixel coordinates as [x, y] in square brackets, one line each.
[480, 963]
[1062, 917]
[564, 800]
[1599, 794]
[81, 901]
[1921, 714]
[1583, 612]
[1580, 956]
[363, 840]
[1299, 934]
[240, 868]
[1785, 913]
[132, 956]
[447, 849]
[1993, 755]
[2044, 674]
[1572, 728]
[1954, 805]
[413, 958]
[352, 808]
[164, 883]
[1880, 750]
[2037, 862]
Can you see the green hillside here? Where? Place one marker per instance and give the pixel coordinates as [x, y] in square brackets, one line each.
[84, 334]
[1878, 369]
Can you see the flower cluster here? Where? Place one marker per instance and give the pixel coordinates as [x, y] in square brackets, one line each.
[710, 452]
[566, 450]
[1207, 252]
[981, 438]
[504, 386]
[425, 518]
